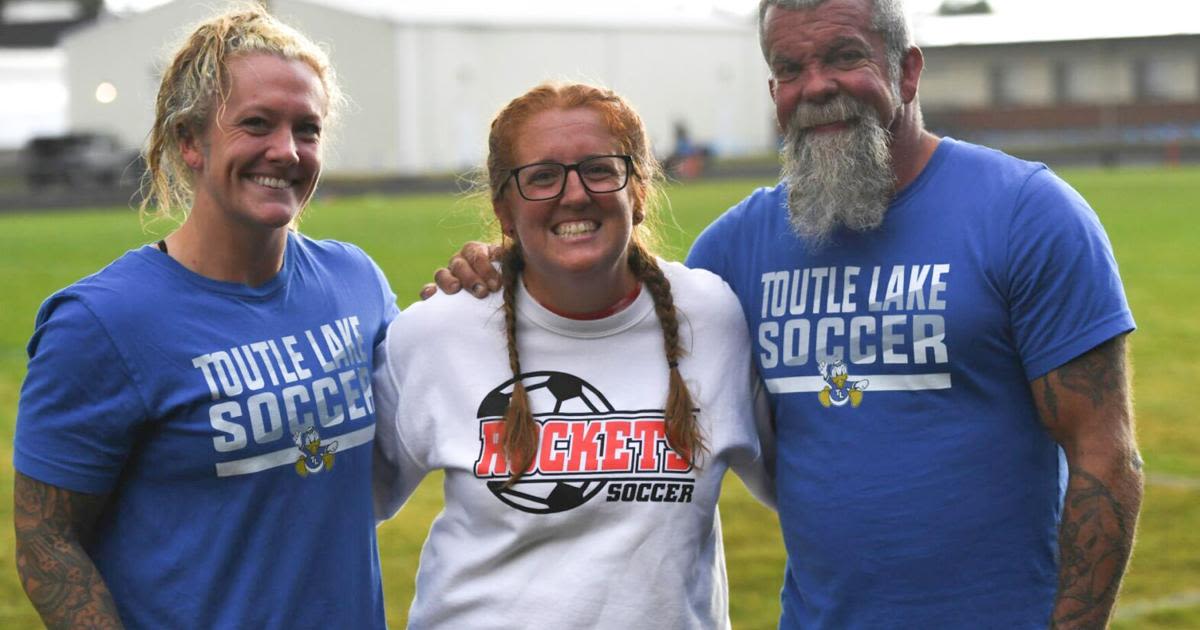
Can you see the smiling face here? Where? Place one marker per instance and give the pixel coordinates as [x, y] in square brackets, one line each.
[580, 238]
[256, 163]
[816, 54]
[845, 112]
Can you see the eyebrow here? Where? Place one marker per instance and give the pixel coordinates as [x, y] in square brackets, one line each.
[841, 42]
[258, 109]
[846, 41]
[582, 159]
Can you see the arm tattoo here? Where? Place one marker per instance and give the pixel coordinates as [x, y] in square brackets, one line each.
[1085, 406]
[1049, 408]
[1097, 374]
[1094, 543]
[55, 571]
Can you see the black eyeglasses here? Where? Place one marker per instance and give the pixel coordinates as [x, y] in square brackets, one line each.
[547, 180]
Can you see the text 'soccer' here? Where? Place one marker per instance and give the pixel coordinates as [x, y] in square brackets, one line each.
[586, 448]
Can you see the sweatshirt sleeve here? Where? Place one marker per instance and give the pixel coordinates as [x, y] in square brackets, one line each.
[396, 471]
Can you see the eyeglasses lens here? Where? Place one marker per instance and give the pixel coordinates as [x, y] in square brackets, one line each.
[599, 175]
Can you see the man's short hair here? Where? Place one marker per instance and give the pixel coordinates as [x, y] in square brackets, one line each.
[887, 18]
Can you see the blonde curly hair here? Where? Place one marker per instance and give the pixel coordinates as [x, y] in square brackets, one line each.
[197, 81]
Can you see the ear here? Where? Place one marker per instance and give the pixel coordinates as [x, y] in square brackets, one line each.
[189, 148]
[504, 215]
[910, 74]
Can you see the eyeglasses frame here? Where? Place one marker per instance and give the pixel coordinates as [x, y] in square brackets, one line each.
[630, 170]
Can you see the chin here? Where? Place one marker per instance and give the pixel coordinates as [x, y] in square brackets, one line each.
[276, 215]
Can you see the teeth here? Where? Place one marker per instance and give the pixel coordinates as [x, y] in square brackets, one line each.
[575, 228]
[270, 182]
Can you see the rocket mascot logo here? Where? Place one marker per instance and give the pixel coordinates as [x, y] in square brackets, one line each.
[586, 448]
[839, 389]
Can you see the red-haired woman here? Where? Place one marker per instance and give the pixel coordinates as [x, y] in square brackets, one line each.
[585, 415]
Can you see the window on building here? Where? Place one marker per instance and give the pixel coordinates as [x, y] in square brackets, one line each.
[1063, 94]
[1001, 85]
[1155, 79]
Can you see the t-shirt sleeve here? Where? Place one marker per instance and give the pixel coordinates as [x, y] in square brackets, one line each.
[386, 296]
[1066, 295]
[709, 249]
[79, 410]
[389, 300]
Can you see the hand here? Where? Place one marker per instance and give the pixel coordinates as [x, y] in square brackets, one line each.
[472, 268]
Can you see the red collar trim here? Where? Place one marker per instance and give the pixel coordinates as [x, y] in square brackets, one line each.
[619, 306]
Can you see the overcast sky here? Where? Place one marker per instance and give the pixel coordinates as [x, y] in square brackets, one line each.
[1095, 10]
[44, 108]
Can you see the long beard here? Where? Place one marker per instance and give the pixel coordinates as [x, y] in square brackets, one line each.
[839, 178]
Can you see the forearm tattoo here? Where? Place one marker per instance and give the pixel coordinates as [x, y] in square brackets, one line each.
[1094, 543]
[55, 571]
[1101, 505]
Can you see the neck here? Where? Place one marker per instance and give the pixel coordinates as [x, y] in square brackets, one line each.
[912, 146]
[581, 294]
[213, 250]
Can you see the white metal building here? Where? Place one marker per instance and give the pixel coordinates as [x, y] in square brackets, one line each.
[426, 77]
[426, 80]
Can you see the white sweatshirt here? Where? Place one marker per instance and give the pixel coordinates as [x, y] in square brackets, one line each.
[610, 529]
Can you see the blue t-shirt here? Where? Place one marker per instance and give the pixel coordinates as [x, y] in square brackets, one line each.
[231, 428]
[916, 484]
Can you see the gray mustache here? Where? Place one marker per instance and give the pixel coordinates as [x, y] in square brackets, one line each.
[841, 108]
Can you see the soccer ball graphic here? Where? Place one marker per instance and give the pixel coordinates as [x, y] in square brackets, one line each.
[562, 396]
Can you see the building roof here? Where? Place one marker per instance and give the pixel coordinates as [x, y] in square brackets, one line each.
[37, 34]
[1019, 21]
[1011, 21]
[685, 14]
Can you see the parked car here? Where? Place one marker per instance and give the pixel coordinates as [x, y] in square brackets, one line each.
[79, 159]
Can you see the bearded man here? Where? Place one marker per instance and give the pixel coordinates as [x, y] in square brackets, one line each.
[987, 476]
[940, 328]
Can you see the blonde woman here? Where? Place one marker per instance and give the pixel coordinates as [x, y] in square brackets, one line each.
[193, 438]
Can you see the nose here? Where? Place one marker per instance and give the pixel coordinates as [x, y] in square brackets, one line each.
[574, 194]
[282, 148]
[817, 84]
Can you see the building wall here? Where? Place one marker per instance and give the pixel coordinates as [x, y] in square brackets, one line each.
[465, 75]
[1093, 101]
[130, 54]
[423, 94]
[36, 100]
[360, 49]
[1107, 72]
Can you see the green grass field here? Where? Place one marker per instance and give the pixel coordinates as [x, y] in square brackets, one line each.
[1149, 217]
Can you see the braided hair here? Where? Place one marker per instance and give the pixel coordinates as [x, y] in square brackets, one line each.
[520, 441]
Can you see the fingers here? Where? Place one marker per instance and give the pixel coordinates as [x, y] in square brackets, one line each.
[446, 281]
[470, 268]
[464, 273]
[480, 256]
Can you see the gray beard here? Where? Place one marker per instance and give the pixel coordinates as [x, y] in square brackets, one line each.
[836, 179]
